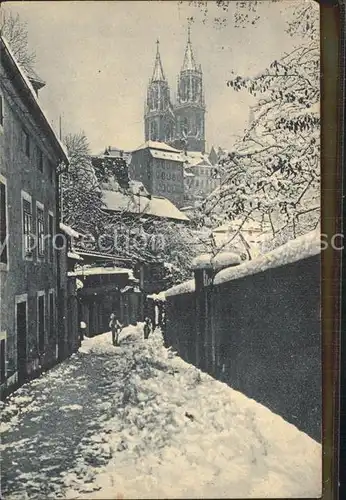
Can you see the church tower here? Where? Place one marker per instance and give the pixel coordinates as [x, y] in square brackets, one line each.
[159, 120]
[189, 109]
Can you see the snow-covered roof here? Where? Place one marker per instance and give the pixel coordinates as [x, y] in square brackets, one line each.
[115, 153]
[155, 206]
[157, 296]
[196, 158]
[68, 230]
[222, 259]
[26, 81]
[185, 287]
[95, 271]
[234, 225]
[301, 248]
[86, 252]
[167, 155]
[162, 146]
[74, 256]
[137, 187]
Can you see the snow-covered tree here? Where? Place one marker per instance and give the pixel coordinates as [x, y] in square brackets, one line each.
[108, 168]
[16, 33]
[80, 193]
[273, 172]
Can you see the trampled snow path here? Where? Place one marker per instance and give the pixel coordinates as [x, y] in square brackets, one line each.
[138, 422]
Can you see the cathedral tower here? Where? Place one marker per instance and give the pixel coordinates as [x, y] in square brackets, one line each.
[159, 120]
[189, 109]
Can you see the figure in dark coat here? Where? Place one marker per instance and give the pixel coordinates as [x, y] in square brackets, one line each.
[147, 328]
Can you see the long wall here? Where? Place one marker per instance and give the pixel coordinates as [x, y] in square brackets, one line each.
[260, 334]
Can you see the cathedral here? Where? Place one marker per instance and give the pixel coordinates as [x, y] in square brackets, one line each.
[179, 124]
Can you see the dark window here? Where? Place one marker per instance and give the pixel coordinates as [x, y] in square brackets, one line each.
[26, 143]
[40, 313]
[40, 231]
[1, 110]
[51, 233]
[3, 224]
[39, 155]
[2, 361]
[153, 131]
[27, 228]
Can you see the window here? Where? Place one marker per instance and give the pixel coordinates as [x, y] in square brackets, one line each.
[185, 126]
[40, 229]
[40, 321]
[3, 223]
[1, 110]
[51, 234]
[27, 226]
[39, 158]
[51, 313]
[25, 143]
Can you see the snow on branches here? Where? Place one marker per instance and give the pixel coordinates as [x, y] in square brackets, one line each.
[80, 193]
[16, 33]
[273, 172]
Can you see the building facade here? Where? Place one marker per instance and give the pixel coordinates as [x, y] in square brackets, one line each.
[161, 170]
[180, 124]
[201, 177]
[30, 154]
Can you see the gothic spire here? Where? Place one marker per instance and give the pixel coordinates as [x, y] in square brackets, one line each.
[158, 74]
[189, 59]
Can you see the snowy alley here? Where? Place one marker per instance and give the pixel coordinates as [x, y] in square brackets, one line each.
[136, 421]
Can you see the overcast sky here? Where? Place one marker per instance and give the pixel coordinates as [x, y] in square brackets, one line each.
[97, 57]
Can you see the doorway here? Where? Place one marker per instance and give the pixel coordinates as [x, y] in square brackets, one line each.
[41, 325]
[22, 332]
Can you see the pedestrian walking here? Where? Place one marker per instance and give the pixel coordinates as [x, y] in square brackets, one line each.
[147, 328]
[116, 327]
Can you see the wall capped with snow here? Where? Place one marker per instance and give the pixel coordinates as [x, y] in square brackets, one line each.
[303, 247]
[258, 329]
[223, 259]
[185, 287]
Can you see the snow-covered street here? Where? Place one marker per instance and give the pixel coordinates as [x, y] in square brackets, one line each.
[136, 421]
